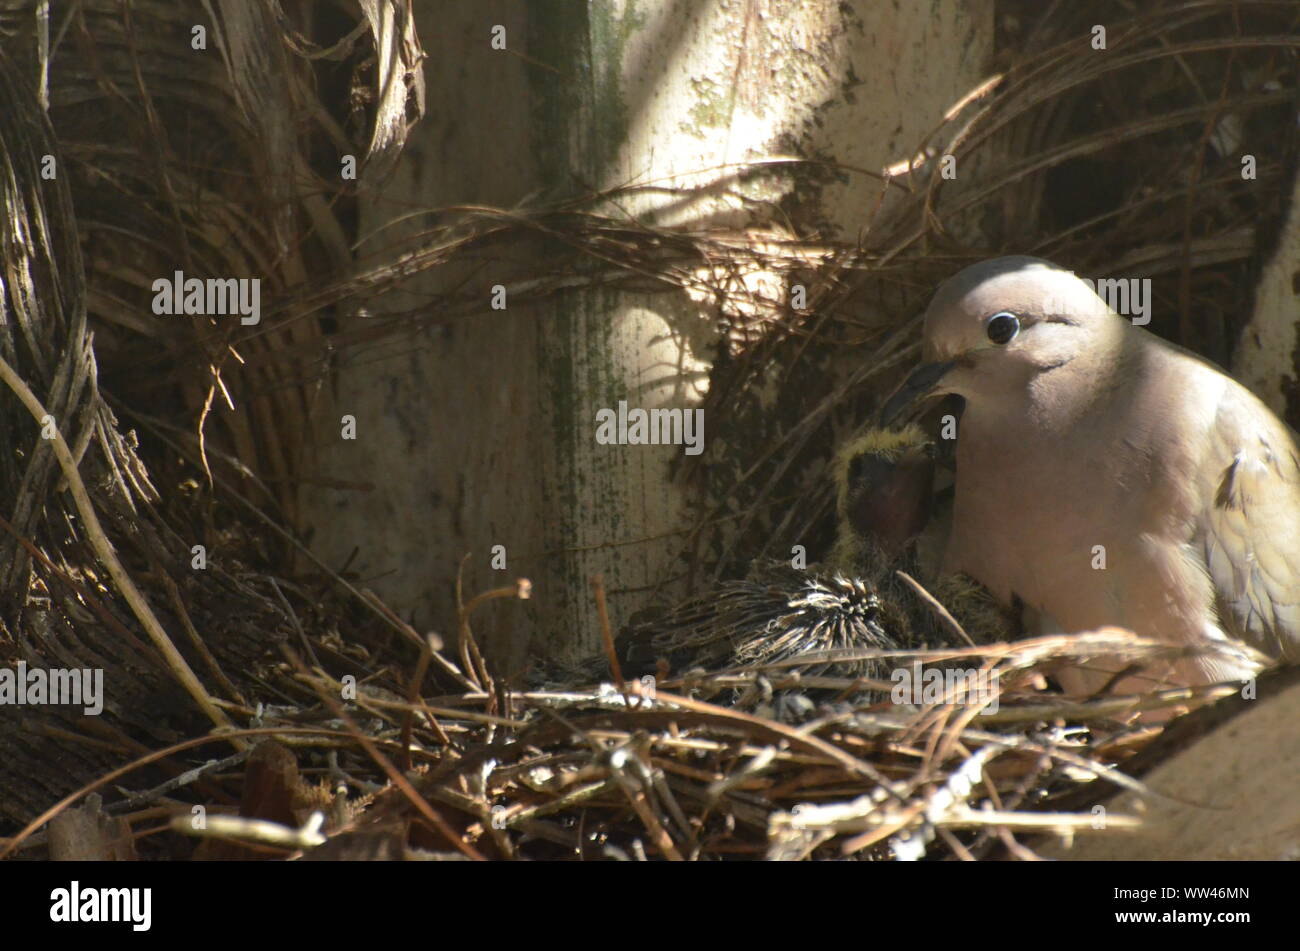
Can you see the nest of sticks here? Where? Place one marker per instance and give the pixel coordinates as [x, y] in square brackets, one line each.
[804, 756]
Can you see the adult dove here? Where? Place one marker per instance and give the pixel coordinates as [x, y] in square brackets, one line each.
[1108, 477]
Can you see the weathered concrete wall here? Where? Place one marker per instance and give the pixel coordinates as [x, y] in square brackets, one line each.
[1265, 359]
[483, 433]
[448, 437]
[1234, 795]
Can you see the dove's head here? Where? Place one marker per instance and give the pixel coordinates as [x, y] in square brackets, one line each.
[1003, 328]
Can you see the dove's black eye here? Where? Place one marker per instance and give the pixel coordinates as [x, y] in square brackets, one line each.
[1002, 327]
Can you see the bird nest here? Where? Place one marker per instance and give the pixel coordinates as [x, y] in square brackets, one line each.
[792, 759]
[952, 753]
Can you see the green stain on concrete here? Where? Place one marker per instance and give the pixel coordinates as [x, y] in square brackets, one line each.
[580, 122]
[581, 113]
[610, 36]
[711, 109]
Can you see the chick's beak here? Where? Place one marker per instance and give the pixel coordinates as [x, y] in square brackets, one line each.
[920, 384]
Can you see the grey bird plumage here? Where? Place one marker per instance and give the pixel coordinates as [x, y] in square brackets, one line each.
[1108, 477]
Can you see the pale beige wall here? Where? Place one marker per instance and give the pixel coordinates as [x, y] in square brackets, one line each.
[482, 433]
